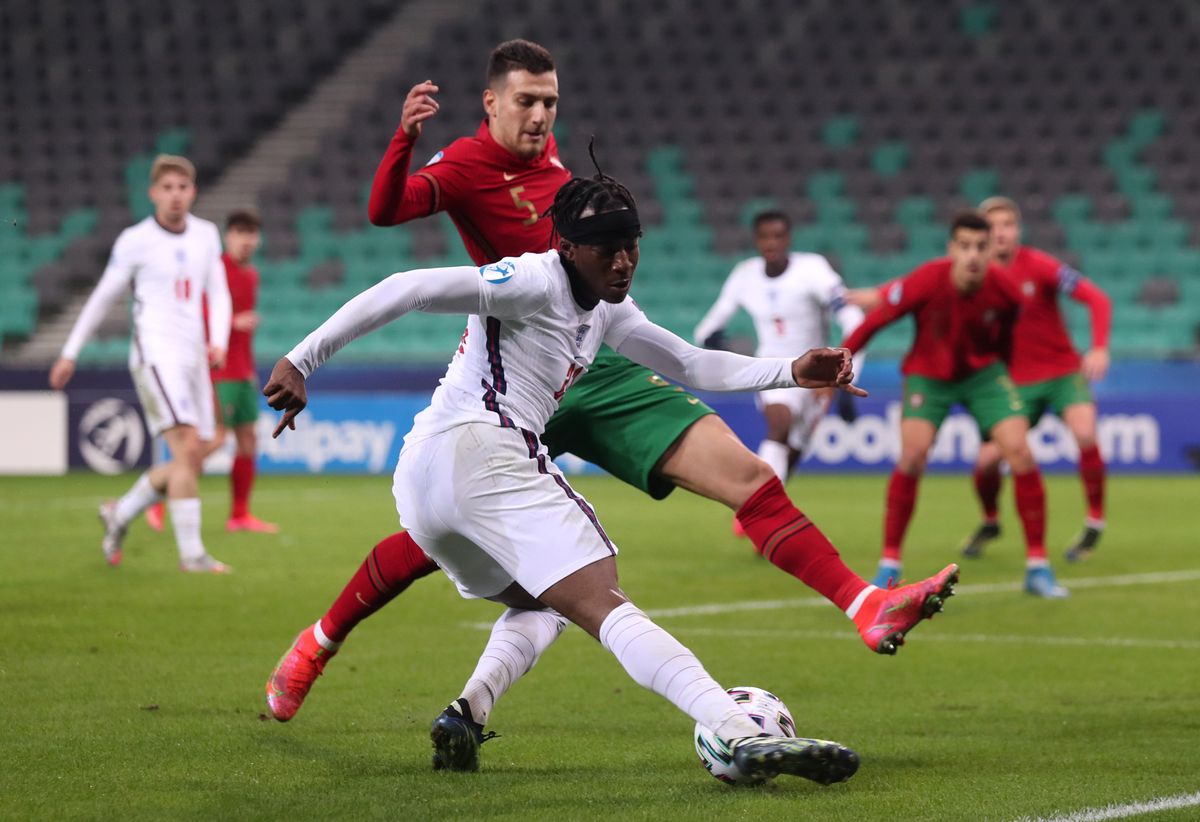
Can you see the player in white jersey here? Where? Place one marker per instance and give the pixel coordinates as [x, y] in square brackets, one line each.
[171, 261]
[478, 493]
[791, 297]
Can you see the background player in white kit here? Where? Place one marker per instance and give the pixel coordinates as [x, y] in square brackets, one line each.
[476, 490]
[790, 296]
[171, 261]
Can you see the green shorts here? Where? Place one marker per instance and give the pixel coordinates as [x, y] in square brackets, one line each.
[239, 402]
[1054, 395]
[623, 417]
[989, 395]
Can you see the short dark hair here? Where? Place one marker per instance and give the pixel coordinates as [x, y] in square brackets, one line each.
[514, 55]
[243, 219]
[969, 219]
[771, 216]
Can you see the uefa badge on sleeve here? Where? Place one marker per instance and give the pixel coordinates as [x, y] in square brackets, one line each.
[497, 273]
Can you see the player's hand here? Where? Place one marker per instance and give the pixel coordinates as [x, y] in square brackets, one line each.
[245, 321]
[61, 373]
[1095, 364]
[867, 299]
[419, 106]
[216, 357]
[285, 391]
[826, 368]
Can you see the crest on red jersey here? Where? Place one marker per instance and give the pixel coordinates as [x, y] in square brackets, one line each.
[1028, 288]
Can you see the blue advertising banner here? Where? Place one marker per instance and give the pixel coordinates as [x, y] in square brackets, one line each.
[359, 416]
[345, 432]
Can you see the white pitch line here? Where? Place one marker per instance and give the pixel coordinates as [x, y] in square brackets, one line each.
[1163, 803]
[1115, 581]
[982, 639]
[1008, 639]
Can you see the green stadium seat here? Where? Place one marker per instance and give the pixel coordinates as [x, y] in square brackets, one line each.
[840, 132]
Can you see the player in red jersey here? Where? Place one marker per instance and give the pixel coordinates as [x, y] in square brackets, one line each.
[964, 308]
[237, 382]
[496, 185]
[1049, 373]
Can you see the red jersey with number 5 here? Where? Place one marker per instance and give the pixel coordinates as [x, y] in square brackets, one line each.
[957, 333]
[1042, 348]
[495, 198]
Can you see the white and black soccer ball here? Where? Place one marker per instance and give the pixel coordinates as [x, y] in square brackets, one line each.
[767, 711]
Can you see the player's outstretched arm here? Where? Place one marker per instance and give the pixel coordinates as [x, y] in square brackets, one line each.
[453, 290]
[657, 348]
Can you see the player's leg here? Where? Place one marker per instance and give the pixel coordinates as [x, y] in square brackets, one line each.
[183, 499]
[388, 569]
[542, 535]
[987, 481]
[774, 449]
[1011, 435]
[156, 512]
[711, 461]
[164, 397]
[239, 402]
[916, 438]
[591, 598]
[1080, 418]
[997, 407]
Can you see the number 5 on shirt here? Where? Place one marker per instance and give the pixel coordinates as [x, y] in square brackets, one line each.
[523, 205]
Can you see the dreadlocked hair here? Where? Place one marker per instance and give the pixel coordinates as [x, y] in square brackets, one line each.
[598, 193]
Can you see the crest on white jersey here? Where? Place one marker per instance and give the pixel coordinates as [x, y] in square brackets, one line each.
[435, 158]
[580, 334]
[497, 273]
[895, 293]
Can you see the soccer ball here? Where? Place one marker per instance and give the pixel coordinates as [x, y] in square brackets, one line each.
[767, 711]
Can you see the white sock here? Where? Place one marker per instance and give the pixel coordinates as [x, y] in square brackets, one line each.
[518, 639]
[136, 500]
[657, 661]
[857, 604]
[323, 640]
[775, 454]
[185, 518]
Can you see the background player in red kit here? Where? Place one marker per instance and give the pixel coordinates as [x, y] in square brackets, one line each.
[1049, 373]
[964, 308]
[619, 415]
[237, 382]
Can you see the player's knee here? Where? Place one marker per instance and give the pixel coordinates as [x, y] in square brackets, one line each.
[1020, 458]
[754, 472]
[912, 461]
[1085, 439]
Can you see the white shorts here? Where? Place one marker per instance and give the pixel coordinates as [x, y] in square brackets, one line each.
[488, 505]
[176, 394]
[807, 409]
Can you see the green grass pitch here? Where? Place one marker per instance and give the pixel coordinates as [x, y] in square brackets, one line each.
[137, 693]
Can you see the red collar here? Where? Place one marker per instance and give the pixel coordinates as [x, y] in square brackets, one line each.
[505, 157]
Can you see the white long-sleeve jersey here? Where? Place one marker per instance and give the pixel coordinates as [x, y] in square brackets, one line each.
[791, 312]
[169, 274]
[526, 342]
